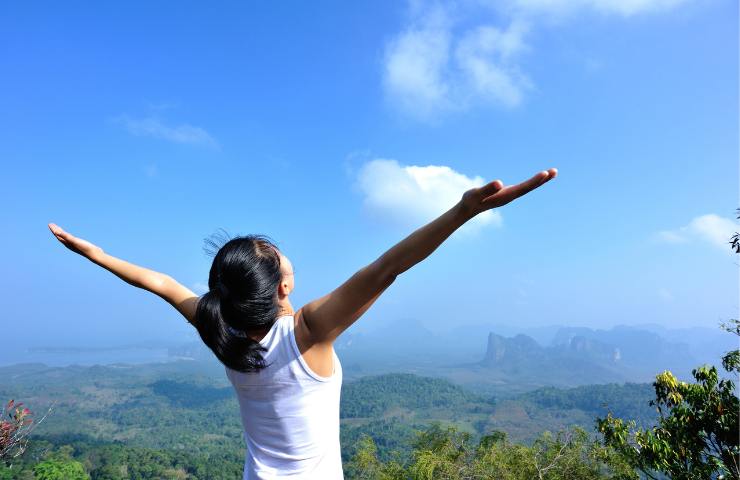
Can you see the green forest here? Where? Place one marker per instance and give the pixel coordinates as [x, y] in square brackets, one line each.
[130, 423]
[171, 422]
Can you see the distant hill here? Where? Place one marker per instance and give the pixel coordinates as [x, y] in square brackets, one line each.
[488, 361]
[705, 344]
[521, 359]
[374, 396]
[638, 351]
[391, 405]
[582, 356]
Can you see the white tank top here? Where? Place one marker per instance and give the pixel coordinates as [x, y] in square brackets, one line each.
[289, 413]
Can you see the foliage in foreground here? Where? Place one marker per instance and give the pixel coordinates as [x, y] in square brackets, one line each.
[697, 433]
[16, 424]
[447, 454]
[15, 421]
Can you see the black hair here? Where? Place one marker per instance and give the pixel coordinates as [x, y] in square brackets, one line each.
[243, 295]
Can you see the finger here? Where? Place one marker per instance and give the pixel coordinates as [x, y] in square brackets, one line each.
[527, 186]
[509, 193]
[60, 233]
[56, 229]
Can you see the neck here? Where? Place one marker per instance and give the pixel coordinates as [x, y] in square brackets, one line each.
[284, 307]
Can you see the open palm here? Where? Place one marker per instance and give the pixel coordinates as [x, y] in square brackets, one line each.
[77, 245]
[495, 194]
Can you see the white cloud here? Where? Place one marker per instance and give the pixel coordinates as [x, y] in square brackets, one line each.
[709, 228]
[154, 127]
[670, 236]
[413, 195]
[430, 70]
[414, 69]
[451, 56]
[485, 56]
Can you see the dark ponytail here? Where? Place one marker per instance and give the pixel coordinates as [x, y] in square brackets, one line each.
[243, 284]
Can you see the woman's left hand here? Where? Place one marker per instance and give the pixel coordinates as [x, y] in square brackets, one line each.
[77, 245]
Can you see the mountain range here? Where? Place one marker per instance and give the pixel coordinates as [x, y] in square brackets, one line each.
[504, 359]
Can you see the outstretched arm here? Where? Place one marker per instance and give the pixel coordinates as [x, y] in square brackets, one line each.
[179, 296]
[327, 317]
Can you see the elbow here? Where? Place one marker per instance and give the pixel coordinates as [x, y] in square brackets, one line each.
[159, 284]
[384, 272]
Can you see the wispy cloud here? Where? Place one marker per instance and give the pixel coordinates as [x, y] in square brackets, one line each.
[155, 127]
[430, 70]
[710, 228]
[452, 56]
[486, 57]
[411, 195]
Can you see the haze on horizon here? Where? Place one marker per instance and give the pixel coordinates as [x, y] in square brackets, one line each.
[337, 129]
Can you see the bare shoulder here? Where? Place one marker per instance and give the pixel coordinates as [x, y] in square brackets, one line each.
[319, 356]
[303, 335]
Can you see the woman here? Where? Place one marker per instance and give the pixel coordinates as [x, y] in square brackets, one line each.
[282, 363]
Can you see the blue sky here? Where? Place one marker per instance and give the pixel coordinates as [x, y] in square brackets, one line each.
[145, 127]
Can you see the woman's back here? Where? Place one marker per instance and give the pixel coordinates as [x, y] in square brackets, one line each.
[289, 413]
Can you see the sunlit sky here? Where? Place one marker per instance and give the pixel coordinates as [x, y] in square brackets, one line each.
[337, 128]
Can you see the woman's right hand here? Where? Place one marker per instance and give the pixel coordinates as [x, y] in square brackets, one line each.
[495, 194]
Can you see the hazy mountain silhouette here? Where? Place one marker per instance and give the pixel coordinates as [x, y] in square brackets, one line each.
[516, 359]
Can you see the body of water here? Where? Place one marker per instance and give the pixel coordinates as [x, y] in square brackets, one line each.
[62, 357]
